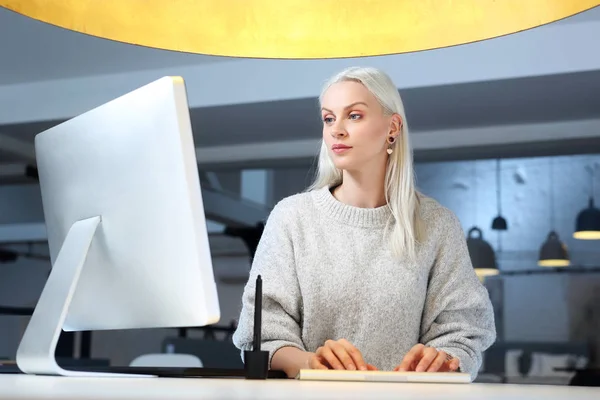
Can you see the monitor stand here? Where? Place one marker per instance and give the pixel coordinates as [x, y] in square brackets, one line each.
[36, 352]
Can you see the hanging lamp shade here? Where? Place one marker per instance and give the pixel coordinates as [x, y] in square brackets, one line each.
[298, 29]
[499, 223]
[587, 226]
[553, 252]
[482, 255]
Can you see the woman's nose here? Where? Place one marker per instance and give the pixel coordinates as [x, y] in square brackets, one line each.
[338, 131]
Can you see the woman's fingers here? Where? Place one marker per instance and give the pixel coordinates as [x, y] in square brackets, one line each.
[421, 358]
[454, 364]
[355, 355]
[327, 353]
[341, 354]
[318, 362]
[438, 362]
[427, 356]
[413, 355]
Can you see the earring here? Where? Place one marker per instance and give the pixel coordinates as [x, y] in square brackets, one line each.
[391, 140]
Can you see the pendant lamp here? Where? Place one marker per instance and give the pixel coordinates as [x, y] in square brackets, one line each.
[587, 226]
[298, 29]
[499, 223]
[553, 252]
[481, 253]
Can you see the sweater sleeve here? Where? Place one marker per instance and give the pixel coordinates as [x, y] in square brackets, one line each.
[281, 314]
[458, 317]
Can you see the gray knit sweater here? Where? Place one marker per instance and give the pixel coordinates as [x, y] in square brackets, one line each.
[329, 274]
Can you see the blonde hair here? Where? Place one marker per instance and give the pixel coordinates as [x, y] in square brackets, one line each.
[400, 188]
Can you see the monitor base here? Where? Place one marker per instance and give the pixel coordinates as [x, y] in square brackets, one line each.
[36, 352]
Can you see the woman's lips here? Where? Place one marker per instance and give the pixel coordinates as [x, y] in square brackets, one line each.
[340, 148]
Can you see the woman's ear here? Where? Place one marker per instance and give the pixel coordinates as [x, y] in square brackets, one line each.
[396, 125]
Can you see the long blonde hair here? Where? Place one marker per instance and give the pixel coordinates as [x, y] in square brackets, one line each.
[400, 188]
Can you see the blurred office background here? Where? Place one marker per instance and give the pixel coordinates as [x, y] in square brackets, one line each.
[510, 124]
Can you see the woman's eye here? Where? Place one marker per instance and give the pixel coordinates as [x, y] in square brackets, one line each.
[355, 116]
[328, 120]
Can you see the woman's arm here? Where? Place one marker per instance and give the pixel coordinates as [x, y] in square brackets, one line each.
[282, 302]
[458, 317]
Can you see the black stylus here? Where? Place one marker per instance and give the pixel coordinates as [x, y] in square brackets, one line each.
[256, 361]
[257, 314]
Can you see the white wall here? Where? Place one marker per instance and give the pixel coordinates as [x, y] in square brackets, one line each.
[469, 189]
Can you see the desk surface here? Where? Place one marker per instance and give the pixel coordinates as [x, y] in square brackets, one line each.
[38, 387]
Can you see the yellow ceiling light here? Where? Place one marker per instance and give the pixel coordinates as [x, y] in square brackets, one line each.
[298, 28]
[483, 273]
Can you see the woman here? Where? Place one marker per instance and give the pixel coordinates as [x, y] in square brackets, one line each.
[362, 271]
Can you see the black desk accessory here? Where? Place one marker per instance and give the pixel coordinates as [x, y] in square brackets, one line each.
[256, 361]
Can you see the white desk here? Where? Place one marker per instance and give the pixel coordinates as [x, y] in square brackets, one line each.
[42, 387]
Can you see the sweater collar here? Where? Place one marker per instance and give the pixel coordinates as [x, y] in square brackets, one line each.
[350, 215]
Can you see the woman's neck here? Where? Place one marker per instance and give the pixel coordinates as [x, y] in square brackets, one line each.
[361, 189]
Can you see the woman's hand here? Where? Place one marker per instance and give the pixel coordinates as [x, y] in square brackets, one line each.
[339, 354]
[427, 359]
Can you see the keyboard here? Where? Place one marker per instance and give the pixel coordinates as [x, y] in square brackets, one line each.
[383, 376]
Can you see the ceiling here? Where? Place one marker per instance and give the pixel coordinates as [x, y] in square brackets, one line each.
[45, 52]
[511, 101]
[539, 99]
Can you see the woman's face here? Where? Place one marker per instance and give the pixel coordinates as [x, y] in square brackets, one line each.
[355, 129]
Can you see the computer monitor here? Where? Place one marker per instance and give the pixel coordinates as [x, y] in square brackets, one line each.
[125, 222]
